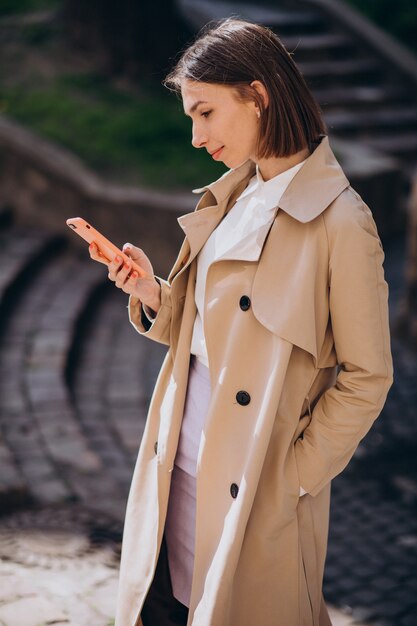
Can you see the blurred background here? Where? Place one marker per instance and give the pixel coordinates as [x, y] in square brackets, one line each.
[87, 129]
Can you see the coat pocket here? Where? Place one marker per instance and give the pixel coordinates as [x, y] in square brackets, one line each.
[303, 423]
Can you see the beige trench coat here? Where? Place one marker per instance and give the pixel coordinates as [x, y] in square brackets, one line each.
[318, 300]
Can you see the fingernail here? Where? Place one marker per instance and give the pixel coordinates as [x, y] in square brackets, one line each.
[118, 259]
[134, 274]
[126, 266]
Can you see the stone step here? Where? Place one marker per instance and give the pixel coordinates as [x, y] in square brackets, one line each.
[317, 46]
[58, 442]
[21, 251]
[341, 72]
[199, 12]
[366, 97]
[391, 119]
[18, 251]
[321, 41]
[92, 377]
[13, 488]
[40, 429]
[404, 145]
[66, 287]
[112, 381]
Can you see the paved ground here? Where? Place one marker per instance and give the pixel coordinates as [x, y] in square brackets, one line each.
[55, 573]
[72, 413]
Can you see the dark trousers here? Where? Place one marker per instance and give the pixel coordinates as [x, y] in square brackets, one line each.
[161, 608]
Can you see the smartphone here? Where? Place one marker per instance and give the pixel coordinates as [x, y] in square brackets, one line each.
[106, 247]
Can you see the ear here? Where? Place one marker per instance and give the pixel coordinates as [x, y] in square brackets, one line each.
[261, 89]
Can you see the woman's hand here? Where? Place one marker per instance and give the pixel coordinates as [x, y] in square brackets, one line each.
[146, 288]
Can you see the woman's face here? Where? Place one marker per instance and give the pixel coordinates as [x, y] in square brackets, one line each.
[227, 128]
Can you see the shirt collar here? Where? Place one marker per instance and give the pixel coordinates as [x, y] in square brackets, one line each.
[272, 190]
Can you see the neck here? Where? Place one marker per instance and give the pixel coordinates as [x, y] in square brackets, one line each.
[276, 165]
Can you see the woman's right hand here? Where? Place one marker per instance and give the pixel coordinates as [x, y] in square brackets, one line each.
[145, 288]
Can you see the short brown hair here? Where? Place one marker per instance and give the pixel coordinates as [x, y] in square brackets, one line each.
[236, 52]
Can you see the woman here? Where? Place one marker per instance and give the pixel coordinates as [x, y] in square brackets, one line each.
[275, 314]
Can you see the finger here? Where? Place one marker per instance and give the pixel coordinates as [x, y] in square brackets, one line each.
[122, 275]
[139, 257]
[96, 255]
[114, 267]
[131, 282]
[133, 252]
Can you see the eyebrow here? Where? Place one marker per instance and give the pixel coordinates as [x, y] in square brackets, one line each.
[195, 105]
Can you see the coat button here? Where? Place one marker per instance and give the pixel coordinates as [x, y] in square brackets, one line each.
[155, 447]
[243, 397]
[244, 303]
[234, 490]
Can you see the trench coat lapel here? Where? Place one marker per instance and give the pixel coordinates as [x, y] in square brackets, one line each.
[294, 305]
[210, 210]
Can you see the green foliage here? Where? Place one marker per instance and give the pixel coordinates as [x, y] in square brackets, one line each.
[37, 34]
[138, 139]
[10, 7]
[398, 18]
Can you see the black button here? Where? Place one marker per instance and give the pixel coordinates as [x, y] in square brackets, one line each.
[244, 303]
[243, 397]
[156, 447]
[234, 490]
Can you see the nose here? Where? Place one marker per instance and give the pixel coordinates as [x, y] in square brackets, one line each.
[199, 137]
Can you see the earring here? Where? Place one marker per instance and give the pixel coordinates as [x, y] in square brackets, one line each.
[258, 114]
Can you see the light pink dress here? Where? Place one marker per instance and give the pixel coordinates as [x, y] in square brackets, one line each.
[180, 521]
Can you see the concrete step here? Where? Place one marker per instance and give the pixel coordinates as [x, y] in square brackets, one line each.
[341, 72]
[65, 286]
[61, 322]
[13, 488]
[404, 145]
[21, 251]
[317, 46]
[366, 97]
[390, 119]
[18, 251]
[96, 370]
[111, 378]
[284, 21]
[40, 430]
[321, 41]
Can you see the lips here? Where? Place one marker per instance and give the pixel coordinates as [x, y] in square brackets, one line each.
[216, 153]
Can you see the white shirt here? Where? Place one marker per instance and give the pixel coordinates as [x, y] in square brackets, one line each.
[239, 235]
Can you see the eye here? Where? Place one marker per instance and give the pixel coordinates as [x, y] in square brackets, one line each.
[205, 114]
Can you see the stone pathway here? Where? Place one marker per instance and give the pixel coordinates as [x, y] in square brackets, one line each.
[54, 571]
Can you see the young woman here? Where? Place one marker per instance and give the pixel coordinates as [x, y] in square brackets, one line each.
[275, 314]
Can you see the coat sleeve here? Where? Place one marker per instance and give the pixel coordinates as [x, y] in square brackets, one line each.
[159, 328]
[358, 297]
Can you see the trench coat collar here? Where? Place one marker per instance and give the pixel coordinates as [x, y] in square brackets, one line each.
[313, 188]
[320, 166]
